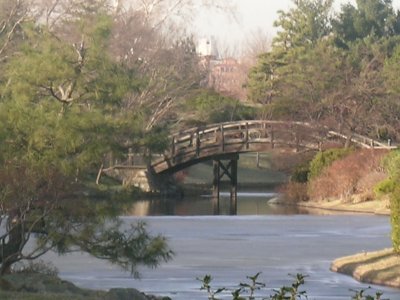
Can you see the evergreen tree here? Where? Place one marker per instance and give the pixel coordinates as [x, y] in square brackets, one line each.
[375, 18]
[60, 113]
[305, 24]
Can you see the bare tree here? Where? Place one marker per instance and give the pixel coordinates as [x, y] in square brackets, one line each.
[12, 15]
[158, 12]
[146, 37]
[171, 68]
[257, 42]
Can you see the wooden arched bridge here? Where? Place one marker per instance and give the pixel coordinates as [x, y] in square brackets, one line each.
[198, 144]
[223, 143]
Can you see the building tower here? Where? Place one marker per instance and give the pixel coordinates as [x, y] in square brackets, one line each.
[206, 47]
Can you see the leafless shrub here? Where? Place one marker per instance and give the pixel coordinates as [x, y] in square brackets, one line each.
[357, 173]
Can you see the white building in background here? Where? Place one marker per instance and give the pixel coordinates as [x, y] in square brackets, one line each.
[207, 47]
[225, 75]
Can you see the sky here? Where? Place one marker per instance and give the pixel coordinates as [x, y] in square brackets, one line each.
[252, 16]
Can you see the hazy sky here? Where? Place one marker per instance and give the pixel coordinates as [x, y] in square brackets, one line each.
[252, 15]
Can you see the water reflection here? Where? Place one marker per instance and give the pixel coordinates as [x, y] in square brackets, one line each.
[249, 203]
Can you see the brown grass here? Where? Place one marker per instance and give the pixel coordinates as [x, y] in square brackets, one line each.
[379, 267]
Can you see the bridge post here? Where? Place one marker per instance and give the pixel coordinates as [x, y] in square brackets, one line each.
[264, 130]
[247, 135]
[216, 182]
[173, 149]
[233, 202]
[197, 143]
[230, 170]
[130, 157]
[272, 138]
[222, 138]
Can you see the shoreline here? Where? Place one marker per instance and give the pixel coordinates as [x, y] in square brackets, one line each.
[375, 207]
[380, 267]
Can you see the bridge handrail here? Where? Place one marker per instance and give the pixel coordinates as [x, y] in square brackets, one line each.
[201, 132]
[364, 141]
[225, 125]
[209, 133]
[246, 135]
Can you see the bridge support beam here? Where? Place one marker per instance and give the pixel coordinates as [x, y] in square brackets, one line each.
[225, 166]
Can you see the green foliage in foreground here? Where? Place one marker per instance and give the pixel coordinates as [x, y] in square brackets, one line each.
[247, 291]
[395, 219]
[61, 115]
[391, 186]
[326, 158]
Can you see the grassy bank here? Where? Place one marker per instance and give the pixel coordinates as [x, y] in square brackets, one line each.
[378, 207]
[48, 287]
[379, 267]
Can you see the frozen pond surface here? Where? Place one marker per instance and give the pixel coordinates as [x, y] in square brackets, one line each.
[231, 248]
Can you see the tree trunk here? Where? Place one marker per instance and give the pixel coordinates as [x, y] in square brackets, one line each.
[10, 251]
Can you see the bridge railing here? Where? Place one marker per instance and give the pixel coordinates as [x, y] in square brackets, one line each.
[244, 136]
[240, 137]
[257, 130]
[363, 141]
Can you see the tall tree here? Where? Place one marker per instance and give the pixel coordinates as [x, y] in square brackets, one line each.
[274, 80]
[59, 114]
[391, 107]
[313, 79]
[375, 18]
[306, 23]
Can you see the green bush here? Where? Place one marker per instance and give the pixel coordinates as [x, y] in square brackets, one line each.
[395, 218]
[301, 173]
[391, 164]
[384, 187]
[326, 158]
[247, 290]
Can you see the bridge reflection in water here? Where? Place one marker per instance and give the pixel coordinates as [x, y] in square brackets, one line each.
[249, 203]
[222, 143]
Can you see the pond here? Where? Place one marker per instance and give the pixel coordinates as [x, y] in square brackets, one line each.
[264, 237]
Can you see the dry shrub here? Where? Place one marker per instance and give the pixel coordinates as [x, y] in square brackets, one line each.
[288, 161]
[295, 191]
[180, 176]
[370, 180]
[356, 173]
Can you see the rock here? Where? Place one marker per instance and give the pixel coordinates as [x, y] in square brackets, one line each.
[125, 294]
